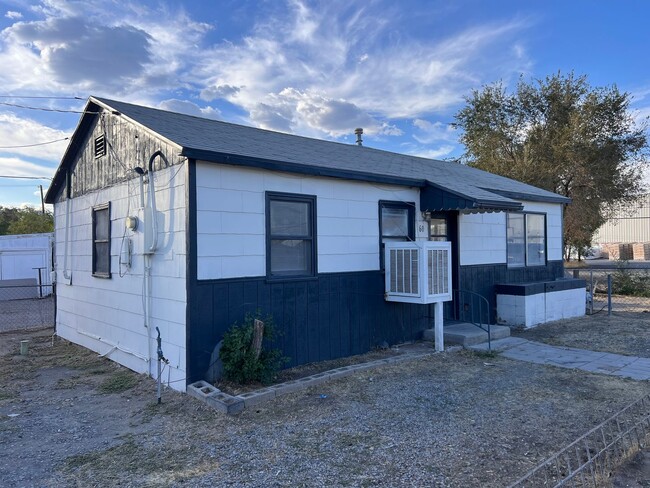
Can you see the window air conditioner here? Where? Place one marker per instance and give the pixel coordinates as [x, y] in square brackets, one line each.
[418, 272]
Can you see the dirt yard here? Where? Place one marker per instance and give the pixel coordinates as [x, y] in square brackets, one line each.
[69, 418]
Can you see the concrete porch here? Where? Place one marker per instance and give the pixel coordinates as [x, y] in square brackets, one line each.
[466, 334]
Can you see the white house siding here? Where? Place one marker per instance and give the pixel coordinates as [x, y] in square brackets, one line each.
[231, 219]
[106, 315]
[482, 236]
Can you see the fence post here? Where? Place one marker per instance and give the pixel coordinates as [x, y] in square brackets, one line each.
[609, 294]
[592, 291]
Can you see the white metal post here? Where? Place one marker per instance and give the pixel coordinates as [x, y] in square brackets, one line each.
[439, 336]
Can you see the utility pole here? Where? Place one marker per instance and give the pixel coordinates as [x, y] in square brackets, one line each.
[42, 200]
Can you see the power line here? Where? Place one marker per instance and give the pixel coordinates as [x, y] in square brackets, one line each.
[26, 177]
[48, 109]
[33, 145]
[51, 98]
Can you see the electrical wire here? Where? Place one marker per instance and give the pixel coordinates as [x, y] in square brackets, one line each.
[48, 109]
[34, 145]
[47, 97]
[27, 177]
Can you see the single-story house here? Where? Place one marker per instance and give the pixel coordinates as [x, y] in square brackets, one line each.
[183, 224]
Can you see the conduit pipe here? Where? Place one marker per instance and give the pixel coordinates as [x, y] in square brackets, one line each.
[66, 275]
[148, 253]
[113, 346]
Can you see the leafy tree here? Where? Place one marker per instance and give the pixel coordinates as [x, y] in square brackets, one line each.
[563, 135]
[24, 221]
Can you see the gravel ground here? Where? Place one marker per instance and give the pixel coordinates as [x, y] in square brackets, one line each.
[461, 419]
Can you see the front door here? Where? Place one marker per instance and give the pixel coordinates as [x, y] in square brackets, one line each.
[443, 226]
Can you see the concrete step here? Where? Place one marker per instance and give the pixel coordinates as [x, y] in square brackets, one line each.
[468, 334]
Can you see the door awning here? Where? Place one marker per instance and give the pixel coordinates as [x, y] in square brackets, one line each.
[436, 199]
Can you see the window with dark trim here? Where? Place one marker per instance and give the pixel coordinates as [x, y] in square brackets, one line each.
[290, 235]
[396, 223]
[526, 239]
[101, 222]
[100, 146]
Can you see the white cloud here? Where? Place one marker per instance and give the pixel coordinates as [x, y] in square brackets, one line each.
[430, 132]
[218, 91]
[313, 113]
[13, 15]
[85, 46]
[436, 153]
[17, 131]
[189, 108]
[349, 54]
[19, 167]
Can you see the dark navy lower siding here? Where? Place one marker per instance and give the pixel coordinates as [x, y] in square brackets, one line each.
[332, 316]
[482, 278]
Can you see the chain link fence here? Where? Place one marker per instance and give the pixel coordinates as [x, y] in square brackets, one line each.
[589, 461]
[24, 304]
[615, 289]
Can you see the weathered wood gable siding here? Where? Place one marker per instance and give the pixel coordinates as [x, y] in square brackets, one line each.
[127, 146]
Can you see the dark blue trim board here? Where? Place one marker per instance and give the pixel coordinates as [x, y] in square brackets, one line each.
[334, 315]
[538, 287]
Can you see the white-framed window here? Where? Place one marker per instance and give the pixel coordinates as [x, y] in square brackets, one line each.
[526, 238]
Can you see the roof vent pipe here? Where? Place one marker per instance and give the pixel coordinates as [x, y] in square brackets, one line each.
[359, 132]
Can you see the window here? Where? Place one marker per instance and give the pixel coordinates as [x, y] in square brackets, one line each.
[290, 235]
[438, 229]
[396, 223]
[100, 146]
[101, 241]
[526, 236]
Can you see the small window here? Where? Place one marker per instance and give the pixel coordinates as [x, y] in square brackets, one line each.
[526, 237]
[396, 223]
[101, 221]
[438, 229]
[290, 235]
[100, 146]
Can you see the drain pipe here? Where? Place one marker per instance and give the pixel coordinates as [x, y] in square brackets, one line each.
[66, 275]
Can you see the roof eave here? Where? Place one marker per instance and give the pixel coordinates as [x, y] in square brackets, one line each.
[552, 198]
[289, 167]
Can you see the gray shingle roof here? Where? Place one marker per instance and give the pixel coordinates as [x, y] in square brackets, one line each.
[218, 141]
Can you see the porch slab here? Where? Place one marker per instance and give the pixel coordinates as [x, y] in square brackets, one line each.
[470, 335]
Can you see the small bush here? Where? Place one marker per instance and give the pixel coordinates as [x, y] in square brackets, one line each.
[630, 283]
[238, 357]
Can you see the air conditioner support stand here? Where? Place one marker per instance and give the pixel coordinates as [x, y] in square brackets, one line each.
[439, 335]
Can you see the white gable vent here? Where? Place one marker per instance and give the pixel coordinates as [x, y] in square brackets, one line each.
[418, 272]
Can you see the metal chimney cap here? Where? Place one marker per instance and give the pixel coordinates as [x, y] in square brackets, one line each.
[358, 131]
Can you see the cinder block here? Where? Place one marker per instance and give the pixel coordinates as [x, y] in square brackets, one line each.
[201, 390]
[225, 403]
[258, 396]
[287, 387]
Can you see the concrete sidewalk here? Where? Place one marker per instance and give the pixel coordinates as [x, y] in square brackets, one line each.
[567, 357]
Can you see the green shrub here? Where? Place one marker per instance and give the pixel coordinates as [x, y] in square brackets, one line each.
[238, 357]
[631, 283]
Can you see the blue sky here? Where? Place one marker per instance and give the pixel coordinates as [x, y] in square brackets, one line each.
[399, 69]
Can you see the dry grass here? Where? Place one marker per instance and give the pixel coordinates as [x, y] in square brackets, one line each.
[452, 419]
[620, 333]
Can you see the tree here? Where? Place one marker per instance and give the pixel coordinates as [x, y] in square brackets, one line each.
[24, 221]
[562, 135]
